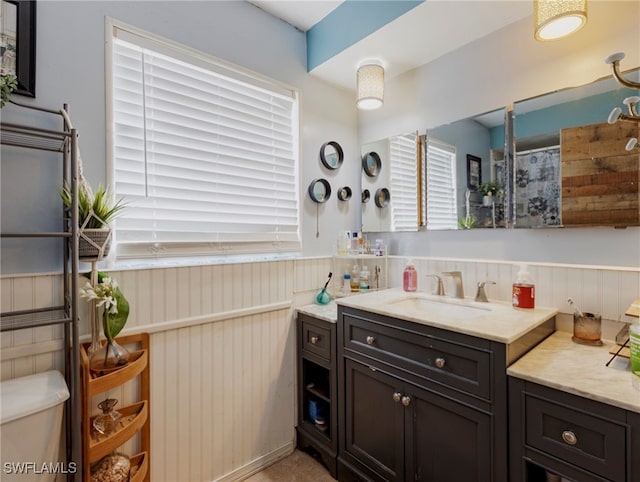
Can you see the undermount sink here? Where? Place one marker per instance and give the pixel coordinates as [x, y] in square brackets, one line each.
[445, 307]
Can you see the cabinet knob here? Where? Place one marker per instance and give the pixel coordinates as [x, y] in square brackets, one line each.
[569, 437]
[370, 340]
[440, 362]
[397, 397]
[314, 340]
[406, 401]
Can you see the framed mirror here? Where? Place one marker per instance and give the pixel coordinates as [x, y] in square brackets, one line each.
[344, 193]
[571, 166]
[331, 155]
[399, 170]
[464, 161]
[383, 197]
[319, 190]
[371, 164]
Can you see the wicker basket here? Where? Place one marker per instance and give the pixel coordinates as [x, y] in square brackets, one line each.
[94, 244]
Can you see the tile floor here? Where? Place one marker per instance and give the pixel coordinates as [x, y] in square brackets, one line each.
[297, 467]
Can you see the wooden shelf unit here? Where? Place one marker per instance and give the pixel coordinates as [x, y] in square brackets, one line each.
[135, 417]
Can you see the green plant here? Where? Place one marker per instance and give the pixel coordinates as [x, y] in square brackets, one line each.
[489, 188]
[95, 209]
[8, 83]
[467, 222]
[115, 306]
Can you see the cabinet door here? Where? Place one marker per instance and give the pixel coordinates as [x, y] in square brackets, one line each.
[445, 440]
[375, 428]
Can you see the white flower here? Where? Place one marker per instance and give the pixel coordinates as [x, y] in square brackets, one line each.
[103, 293]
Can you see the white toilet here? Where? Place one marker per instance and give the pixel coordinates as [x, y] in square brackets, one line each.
[31, 422]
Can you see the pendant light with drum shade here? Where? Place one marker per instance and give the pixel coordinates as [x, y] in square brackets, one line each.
[370, 86]
[554, 19]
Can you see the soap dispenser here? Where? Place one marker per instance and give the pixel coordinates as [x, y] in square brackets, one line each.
[410, 277]
[524, 291]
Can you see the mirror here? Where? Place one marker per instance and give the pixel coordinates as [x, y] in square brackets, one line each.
[331, 155]
[465, 173]
[319, 190]
[391, 173]
[571, 166]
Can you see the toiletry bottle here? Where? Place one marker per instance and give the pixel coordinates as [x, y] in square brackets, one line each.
[634, 343]
[355, 278]
[410, 278]
[524, 291]
[364, 278]
[346, 285]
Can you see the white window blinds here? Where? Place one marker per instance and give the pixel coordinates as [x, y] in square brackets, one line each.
[404, 182]
[441, 185]
[206, 159]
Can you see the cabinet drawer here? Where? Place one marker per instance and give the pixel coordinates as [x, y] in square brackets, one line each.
[316, 339]
[577, 437]
[453, 364]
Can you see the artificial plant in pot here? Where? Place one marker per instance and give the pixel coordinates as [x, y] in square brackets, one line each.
[95, 211]
[488, 190]
[107, 297]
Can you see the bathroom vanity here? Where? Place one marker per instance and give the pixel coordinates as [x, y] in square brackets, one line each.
[571, 415]
[423, 386]
[484, 392]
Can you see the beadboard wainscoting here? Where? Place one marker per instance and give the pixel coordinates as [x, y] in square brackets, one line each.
[223, 345]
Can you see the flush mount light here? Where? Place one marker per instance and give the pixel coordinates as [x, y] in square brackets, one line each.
[555, 19]
[370, 86]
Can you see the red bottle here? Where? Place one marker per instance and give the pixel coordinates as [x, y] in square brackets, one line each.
[524, 291]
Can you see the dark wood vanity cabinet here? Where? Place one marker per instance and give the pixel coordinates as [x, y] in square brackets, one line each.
[419, 403]
[555, 432]
[317, 389]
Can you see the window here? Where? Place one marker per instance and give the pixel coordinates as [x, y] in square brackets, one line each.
[404, 182]
[441, 185]
[204, 152]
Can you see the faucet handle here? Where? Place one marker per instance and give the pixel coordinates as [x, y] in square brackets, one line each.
[440, 289]
[481, 295]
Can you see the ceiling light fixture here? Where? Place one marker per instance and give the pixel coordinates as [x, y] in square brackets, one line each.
[370, 86]
[555, 19]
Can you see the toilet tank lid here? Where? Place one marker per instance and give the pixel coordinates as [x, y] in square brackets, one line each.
[24, 396]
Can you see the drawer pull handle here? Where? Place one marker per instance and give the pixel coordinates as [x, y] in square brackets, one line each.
[370, 340]
[569, 437]
[397, 397]
[440, 362]
[406, 401]
[314, 340]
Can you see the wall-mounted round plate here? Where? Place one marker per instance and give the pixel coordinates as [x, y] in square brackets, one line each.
[383, 197]
[371, 164]
[331, 155]
[320, 190]
[344, 193]
[366, 195]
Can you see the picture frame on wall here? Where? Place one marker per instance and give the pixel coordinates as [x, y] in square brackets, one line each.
[474, 172]
[18, 43]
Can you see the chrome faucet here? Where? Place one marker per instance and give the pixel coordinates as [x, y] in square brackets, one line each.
[457, 278]
[440, 288]
[481, 295]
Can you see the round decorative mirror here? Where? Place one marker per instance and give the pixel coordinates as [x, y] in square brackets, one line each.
[383, 196]
[320, 190]
[366, 195]
[331, 155]
[344, 194]
[371, 164]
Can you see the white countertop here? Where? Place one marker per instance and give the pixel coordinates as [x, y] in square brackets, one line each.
[560, 363]
[503, 323]
[328, 312]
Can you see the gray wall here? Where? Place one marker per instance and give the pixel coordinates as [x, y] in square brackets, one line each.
[70, 69]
